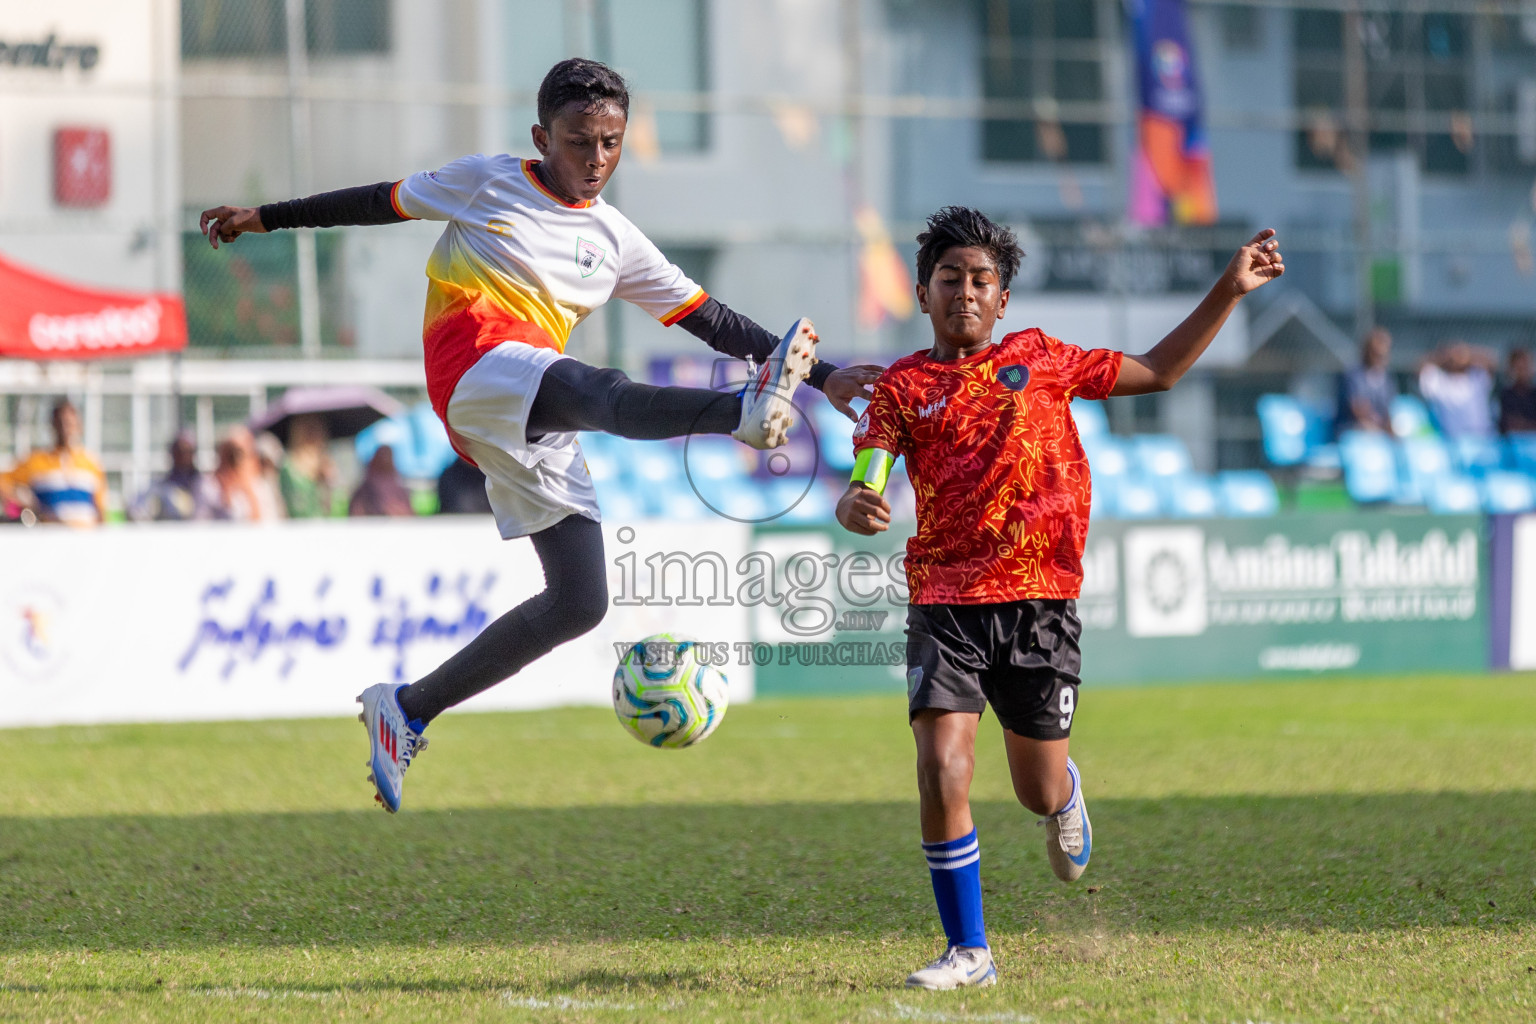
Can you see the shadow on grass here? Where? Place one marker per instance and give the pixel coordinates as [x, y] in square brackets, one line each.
[705, 872]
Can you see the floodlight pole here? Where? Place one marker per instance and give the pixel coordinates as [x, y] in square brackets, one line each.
[1357, 145]
[301, 171]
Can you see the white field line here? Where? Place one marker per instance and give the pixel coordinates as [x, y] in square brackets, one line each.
[561, 1003]
[905, 1012]
[260, 993]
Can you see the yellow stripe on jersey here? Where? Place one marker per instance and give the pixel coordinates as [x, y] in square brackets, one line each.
[678, 312]
[456, 281]
[394, 201]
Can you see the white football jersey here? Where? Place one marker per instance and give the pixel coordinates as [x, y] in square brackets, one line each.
[518, 264]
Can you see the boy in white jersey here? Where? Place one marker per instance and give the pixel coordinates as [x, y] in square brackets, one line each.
[529, 251]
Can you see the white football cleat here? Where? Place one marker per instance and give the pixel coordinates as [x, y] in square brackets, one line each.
[392, 742]
[766, 411]
[1068, 833]
[960, 966]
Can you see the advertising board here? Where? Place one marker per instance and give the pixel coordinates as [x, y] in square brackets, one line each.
[1168, 601]
[165, 622]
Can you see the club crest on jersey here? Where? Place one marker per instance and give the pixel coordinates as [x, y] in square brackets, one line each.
[1014, 377]
[589, 256]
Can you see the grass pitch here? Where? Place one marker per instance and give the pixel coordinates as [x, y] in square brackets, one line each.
[1337, 851]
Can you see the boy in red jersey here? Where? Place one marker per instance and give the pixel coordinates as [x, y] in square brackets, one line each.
[995, 567]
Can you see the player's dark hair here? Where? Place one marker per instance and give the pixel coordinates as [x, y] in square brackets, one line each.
[962, 226]
[587, 82]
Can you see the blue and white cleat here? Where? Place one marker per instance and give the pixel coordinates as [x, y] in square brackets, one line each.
[393, 742]
[1068, 833]
[766, 410]
[960, 966]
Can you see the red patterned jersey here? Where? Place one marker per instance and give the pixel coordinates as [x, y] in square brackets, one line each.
[993, 454]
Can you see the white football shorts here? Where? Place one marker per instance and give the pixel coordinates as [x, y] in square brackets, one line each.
[532, 486]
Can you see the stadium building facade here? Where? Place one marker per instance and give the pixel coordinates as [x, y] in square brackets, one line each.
[772, 146]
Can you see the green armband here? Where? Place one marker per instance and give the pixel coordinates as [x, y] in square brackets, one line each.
[872, 468]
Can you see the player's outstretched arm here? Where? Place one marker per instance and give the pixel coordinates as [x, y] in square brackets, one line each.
[727, 331]
[365, 204]
[863, 510]
[1160, 368]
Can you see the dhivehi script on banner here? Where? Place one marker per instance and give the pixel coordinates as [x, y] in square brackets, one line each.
[165, 622]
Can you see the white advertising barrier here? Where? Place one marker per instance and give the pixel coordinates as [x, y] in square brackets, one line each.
[172, 622]
[1520, 628]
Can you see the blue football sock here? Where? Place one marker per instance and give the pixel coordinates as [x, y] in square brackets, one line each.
[955, 866]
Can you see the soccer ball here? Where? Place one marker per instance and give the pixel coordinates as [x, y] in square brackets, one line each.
[664, 696]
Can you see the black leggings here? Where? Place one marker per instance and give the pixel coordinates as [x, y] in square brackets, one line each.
[574, 601]
[572, 396]
[575, 396]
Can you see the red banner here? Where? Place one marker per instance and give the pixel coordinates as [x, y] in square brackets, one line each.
[43, 318]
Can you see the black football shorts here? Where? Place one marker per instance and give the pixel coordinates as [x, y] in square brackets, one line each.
[1021, 657]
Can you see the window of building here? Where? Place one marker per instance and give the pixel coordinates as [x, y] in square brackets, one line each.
[661, 47]
[1240, 28]
[1048, 53]
[258, 28]
[1418, 87]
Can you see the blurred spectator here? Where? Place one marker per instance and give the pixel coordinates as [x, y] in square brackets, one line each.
[1366, 392]
[1456, 381]
[307, 474]
[461, 490]
[63, 484]
[382, 493]
[1517, 399]
[268, 482]
[234, 496]
[183, 493]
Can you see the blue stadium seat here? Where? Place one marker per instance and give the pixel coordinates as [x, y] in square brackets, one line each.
[619, 503]
[1108, 457]
[1505, 492]
[1453, 494]
[715, 458]
[799, 504]
[603, 462]
[1478, 455]
[655, 464]
[1160, 455]
[1136, 499]
[1425, 459]
[1090, 418]
[1189, 496]
[677, 505]
[1248, 492]
[1370, 465]
[1410, 416]
[1284, 423]
[1325, 457]
[745, 504]
[834, 436]
[1105, 492]
[1520, 452]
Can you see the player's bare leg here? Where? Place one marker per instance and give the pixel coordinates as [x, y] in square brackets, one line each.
[946, 761]
[1046, 781]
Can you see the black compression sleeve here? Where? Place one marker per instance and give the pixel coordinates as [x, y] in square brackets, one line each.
[725, 330]
[365, 204]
